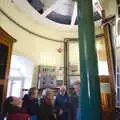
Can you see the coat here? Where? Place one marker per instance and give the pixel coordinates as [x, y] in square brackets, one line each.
[18, 116]
[74, 107]
[45, 110]
[31, 106]
[62, 103]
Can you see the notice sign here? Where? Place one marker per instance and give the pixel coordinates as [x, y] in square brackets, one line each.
[105, 88]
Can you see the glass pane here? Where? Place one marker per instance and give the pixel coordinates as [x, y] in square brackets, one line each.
[1, 95]
[118, 28]
[15, 72]
[14, 88]
[118, 97]
[118, 79]
[3, 60]
[102, 57]
[74, 61]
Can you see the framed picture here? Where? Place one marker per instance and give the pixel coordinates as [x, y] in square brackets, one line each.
[50, 76]
[74, 70]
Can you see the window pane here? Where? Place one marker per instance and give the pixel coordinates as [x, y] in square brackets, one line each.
[3, 60]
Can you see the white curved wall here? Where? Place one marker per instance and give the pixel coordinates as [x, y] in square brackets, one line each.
[29, 45]
[109, 6]
[25, 20]
[48, 29]
[32, 47]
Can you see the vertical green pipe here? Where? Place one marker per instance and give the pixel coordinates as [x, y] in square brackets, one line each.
[90, 86]
[66, 56]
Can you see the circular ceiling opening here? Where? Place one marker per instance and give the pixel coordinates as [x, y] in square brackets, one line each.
[63, 11]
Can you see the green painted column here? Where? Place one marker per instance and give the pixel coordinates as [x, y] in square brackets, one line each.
[90, 86]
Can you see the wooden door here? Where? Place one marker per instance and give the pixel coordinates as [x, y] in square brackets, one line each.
[6, 42]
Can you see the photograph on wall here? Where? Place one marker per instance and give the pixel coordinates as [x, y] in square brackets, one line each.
[74, 70]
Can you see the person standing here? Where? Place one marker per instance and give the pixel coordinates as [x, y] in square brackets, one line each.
[46, 108]
[30, 102]
[62, 104]
[74, 100]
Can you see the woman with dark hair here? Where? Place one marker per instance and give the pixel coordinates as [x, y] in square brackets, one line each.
[30, 102]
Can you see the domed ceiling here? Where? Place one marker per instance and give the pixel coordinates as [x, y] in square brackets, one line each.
[63, 11]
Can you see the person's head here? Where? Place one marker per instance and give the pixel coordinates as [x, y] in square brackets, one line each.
[62, 90]
[33, 92]
[46, 96]
[16, 102]
[77, 86]
[46, 92]
[10, 103]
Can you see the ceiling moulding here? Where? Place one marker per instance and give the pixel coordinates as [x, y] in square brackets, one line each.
[27, 30]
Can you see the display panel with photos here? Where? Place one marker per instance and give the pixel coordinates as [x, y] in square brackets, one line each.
[50, 77]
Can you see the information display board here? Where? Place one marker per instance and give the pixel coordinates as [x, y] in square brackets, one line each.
[50, 77]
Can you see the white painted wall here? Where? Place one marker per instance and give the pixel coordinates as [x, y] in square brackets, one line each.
[109, 6]
[30, 46]
[32, 21]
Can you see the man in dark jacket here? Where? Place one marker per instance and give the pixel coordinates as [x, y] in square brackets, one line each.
[62, 104]
[46, 108]
[74, 103]
[74, 100]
